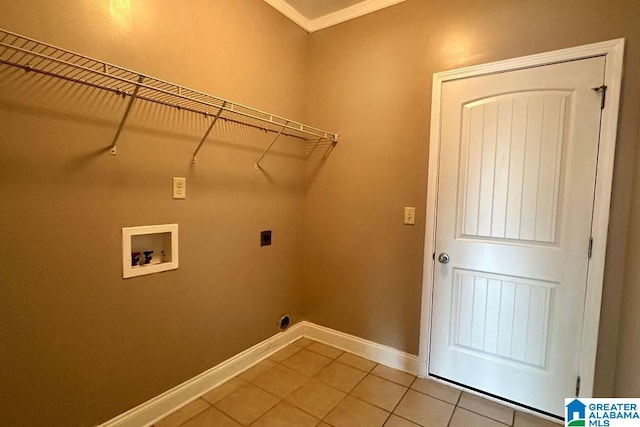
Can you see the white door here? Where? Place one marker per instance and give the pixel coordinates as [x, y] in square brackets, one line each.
[514, 209]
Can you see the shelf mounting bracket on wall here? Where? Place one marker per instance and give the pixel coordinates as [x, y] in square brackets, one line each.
[257, 165]
[114, 147]
[206, 134]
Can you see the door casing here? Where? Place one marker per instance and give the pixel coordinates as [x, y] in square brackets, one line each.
[613, 51]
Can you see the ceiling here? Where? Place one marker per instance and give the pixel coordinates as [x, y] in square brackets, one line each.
[314, 9]
[314, 15]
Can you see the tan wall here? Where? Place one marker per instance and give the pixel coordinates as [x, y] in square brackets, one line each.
[79, 344]
[370, 78]
[628, 368]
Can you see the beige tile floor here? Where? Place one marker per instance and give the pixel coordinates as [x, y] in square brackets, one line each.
[311, 384]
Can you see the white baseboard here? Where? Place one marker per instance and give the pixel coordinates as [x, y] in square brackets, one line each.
[168, 402]
[379, 353]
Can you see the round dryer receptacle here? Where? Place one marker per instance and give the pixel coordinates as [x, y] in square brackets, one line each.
[284, 322]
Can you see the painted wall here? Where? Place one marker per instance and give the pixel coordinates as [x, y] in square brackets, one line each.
[81, 345]
[370, 79]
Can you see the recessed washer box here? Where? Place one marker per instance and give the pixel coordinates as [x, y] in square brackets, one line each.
[149, 249]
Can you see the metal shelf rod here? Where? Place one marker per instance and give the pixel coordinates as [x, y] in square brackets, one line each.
[124, 118]
[257, 164]
[213, 123]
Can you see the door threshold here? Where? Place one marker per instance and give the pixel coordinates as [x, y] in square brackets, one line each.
[498, 399]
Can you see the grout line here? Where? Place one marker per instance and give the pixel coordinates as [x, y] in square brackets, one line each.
[345, 396]
[371, 403]
[436, 398]
[459, 398]
[312, 378]
[485, 416]
[324, 355]
[390, 380]
[406, 419]
[302, 409]
[189, 419]
[284, 348]
[393, 411]
[355, 367]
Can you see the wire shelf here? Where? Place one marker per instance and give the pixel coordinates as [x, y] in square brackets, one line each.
[33, 55]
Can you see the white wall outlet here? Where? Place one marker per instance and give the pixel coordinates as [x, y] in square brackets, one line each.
[179, 187]
[409, 215]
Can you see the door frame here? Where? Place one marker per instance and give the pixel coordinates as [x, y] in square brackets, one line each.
[613, 51]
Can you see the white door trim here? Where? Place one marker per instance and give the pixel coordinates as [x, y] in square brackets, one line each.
[613, 51]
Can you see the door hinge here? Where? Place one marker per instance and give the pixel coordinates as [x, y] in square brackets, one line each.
[602, 90]
[578, 387]
[590, 250]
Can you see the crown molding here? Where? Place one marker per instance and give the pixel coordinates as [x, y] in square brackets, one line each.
[290, 12]
[351, 12]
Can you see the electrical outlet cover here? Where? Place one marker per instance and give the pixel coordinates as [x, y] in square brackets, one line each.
[179, 187]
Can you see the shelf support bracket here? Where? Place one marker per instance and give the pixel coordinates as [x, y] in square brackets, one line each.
[126, 115]
[257, 164]
[209, 129]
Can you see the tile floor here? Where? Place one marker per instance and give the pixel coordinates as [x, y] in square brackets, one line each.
[311, 384]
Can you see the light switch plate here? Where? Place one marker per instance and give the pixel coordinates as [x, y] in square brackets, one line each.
[409, 215]
[179, 187]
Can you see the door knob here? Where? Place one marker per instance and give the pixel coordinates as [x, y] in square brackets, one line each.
[443, 258]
